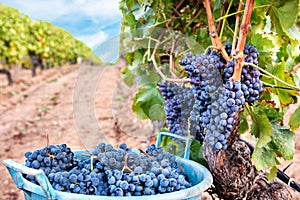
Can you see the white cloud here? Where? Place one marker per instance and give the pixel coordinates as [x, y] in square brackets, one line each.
[93, 39]
[51, 10]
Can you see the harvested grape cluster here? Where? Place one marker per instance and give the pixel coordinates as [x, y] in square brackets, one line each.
[111, 171]
[51, 159]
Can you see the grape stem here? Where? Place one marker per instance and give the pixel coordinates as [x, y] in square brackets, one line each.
[179, 4]
[275, 86]
[143, 152]
[236, 28]
[224, 20]
[213, 34]
[274, 77]
[126, 164]
[92, 162]
[238, 12]
[239, 52]
[295, 68]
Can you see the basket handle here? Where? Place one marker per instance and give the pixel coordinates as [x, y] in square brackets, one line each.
[188, 142]
[16, 170]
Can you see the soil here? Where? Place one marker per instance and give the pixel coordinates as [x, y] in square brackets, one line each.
[56, 103]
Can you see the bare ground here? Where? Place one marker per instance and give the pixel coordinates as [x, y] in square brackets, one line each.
[34, 107]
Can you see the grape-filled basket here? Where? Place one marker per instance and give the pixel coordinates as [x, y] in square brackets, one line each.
[198, 175]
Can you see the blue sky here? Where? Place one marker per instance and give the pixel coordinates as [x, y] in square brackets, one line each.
[92, 21]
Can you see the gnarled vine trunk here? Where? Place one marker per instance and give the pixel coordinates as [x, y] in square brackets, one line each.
[236, 178]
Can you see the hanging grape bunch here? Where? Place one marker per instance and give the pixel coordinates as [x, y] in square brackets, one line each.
[179, 102]
[250, 83]
[217, 99]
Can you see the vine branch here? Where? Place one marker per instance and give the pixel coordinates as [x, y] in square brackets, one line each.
[213, 34]
[222, 14]
[244, 29]
[172, 62]
[159, 71]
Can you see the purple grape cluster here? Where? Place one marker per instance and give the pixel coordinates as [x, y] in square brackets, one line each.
[251, 84]
[51, 159]
[116, 172]
[225, 104]
[217, 99]
[179, 101]
[204, 74]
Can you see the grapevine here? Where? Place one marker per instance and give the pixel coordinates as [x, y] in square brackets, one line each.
[237, 77]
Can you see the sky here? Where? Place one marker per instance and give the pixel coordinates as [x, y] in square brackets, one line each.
[92, 21]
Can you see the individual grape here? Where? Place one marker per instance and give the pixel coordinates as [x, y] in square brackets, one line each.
[138, 170]
[73, 178]
[124, 185]
[164, 182]
[36, 164]
[119, 192]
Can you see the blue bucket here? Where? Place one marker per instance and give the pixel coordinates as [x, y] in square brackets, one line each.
[198, 175]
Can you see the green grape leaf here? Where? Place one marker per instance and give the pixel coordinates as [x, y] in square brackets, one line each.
[274, 114]
[148, 103]
[294, 33]
[289, 64]
[128, 76]
[285, 96]
[261, 128]
[150, 77]
[294, 121]
[263, 44]
[284, 16]
[130, 4]
[287, 13]
[244, 126]
[283, 142]
[130, 20]
[263, 158]
[217, 8]
[196, 153]
[272, 174]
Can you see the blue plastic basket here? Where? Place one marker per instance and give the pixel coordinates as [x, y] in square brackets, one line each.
[198, 175]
